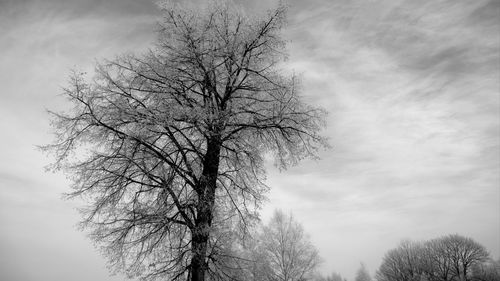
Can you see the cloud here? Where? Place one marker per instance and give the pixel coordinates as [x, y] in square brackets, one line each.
[412, 91]
[41, 41]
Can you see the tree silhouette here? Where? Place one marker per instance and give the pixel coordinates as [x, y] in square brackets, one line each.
[448, 258]
[168, 146]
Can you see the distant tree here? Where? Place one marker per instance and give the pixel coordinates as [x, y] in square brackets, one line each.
[362, 274]
[335, 277]
[403, 263]
[332, 277]
[173, 142]
[285, 252]
[463, 253]
[448, 258]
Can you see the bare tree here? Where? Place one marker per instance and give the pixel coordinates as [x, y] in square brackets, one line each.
[169, 145]
[362, 274]
[448, 258]
[284, 252]
[436, 262]
[403, 263]
[463, 253]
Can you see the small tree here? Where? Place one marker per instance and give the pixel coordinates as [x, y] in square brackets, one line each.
[174, 140]
[362, 274]
[284, 251]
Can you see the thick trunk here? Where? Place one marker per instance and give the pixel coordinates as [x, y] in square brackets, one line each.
[198, 265]
[206, 201]
[200, 237]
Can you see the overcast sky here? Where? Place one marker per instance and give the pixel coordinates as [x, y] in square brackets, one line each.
[412, 90]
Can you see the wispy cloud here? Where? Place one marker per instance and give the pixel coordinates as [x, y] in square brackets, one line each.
[412, 91]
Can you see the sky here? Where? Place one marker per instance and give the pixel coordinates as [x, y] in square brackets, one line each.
[412, 91]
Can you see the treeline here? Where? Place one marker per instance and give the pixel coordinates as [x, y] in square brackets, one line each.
[281, 251]
[448, 258]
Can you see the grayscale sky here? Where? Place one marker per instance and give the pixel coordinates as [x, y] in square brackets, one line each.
[412, 90]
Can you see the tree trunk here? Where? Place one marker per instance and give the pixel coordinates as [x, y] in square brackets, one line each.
[206, 201]
[199, 248]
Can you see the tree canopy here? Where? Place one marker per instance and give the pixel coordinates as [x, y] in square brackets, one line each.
[448, 258]
[168, 146]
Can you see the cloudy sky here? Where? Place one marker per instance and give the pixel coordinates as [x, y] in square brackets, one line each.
[412, 90]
